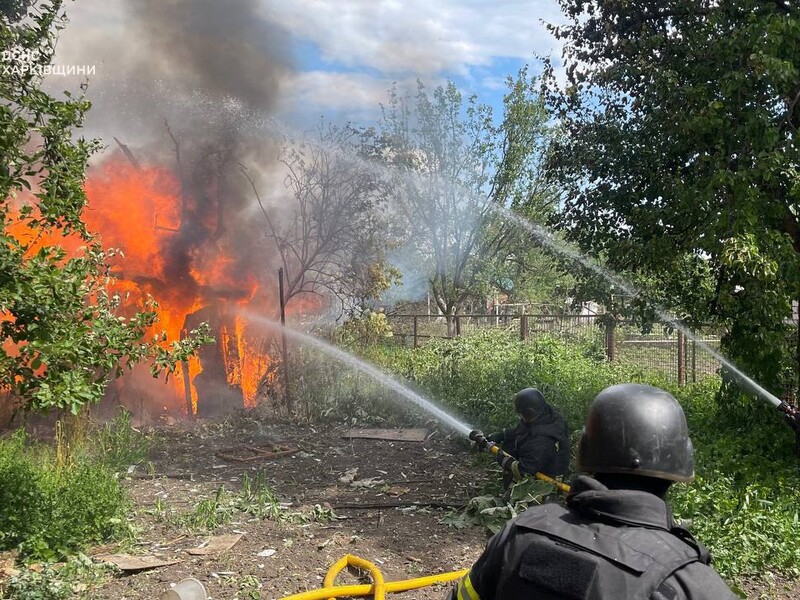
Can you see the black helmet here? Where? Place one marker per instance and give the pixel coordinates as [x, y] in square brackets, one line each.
[636, 429]
[529, 403]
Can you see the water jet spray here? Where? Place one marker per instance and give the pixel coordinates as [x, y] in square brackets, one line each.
[375, 373]
[418, 400]
[791, 413]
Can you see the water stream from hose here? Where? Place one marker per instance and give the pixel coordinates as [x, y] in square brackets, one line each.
[548, 239]
[372, 371]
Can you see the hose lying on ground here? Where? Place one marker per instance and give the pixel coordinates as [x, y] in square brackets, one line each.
[378, 588]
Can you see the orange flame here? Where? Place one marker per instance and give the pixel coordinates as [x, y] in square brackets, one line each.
[141, 211]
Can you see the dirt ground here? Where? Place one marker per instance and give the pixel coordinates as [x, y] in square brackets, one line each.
[388, 511]
[389, 514]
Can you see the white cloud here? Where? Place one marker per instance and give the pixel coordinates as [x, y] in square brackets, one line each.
[356, 97]
[419, 36]
[338, 91]
[380, 40]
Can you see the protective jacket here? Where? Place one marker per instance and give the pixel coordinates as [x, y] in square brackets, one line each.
[542, 446]
[606, 544]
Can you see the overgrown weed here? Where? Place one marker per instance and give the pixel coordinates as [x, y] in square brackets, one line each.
[54, 506]
[74, 579]
[255, 499]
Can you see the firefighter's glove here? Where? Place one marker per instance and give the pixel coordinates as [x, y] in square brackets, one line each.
[496, 437]
[510, 464]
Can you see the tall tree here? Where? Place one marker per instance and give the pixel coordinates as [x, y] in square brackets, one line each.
[330, 229]
[62, 332]
[679, 158]
[455, 165]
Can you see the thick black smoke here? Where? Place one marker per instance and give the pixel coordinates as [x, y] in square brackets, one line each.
[187, 84]
[224, 50]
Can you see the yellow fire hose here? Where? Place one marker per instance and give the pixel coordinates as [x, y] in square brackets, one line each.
[495, 449]
[477, 436]
[378, 588]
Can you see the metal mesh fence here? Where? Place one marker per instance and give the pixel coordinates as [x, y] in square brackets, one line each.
[669, 352]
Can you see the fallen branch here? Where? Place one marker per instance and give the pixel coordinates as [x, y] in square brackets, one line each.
[184, 476]
[373, 505]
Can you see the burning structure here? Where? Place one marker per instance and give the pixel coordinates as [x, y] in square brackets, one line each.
[185, 89]
[189, 263]
[186, 84]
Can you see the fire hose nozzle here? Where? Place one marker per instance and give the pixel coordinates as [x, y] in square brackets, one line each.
[791, 413]
[480, 440]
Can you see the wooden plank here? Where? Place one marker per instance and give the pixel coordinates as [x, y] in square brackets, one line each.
[126, 562]
[395, 435]
[217, 544]
[254, 453]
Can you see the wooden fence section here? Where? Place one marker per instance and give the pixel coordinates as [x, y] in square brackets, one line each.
[669, 352]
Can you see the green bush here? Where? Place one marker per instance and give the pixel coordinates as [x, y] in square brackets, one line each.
[476, 375]
[51, 510]
[745, 502]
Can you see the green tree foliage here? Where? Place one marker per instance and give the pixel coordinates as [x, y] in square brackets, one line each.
[62, 329]
[455, 165]
[679, 158]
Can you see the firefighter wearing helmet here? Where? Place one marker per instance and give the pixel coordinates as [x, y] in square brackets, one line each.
[539, 443]
[616, 537]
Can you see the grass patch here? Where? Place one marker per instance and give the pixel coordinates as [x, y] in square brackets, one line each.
[56, 501]
[255, 500]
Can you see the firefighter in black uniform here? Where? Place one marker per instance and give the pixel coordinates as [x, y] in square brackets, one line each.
[616, 538]
[539, 443]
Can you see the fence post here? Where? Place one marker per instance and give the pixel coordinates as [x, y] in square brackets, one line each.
[285, 356]
[611, 350]
[415, 331]
[458, 325]
[681, 359]
[694, 361]
[523, 327]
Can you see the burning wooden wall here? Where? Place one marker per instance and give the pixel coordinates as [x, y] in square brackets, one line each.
[198, 268]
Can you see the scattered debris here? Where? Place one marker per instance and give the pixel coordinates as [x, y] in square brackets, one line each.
[268, 552]
[349, 475]
[7, 562]
[132, 474]
[402, 506]
[186, 589]
[219, 574]
[252, 453]
[216, 544]
[397, 490]
[367, 482]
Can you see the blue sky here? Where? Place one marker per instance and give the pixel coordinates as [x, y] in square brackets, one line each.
[341, 55]
[349, 52]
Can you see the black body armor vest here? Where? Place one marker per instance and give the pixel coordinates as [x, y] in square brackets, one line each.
[554, 554]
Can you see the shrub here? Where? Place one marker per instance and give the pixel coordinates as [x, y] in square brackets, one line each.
[50, 509]
[477, 375]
